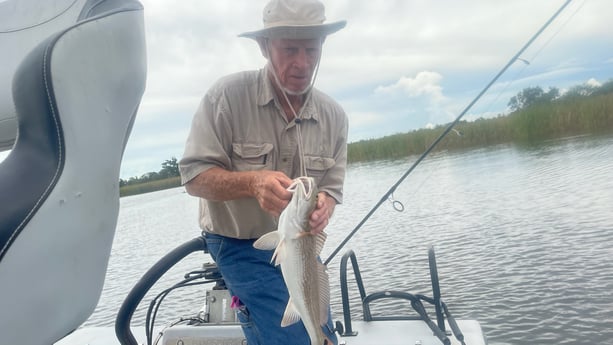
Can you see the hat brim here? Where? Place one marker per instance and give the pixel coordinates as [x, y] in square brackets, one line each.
[299, 32]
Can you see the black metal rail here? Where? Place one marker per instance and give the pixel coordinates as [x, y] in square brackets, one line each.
[416, 301]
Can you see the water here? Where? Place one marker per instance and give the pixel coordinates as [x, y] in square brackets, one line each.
[523, 237]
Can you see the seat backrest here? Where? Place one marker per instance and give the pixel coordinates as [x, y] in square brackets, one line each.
[76, 95]
[23, 25]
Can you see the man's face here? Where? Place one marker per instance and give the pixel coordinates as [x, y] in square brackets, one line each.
[294, 62]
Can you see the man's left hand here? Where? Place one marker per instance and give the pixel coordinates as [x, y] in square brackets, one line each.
[322, 213]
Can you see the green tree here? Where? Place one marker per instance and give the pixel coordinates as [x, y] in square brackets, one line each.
[170, 168]
[605, 88]
[582, 90]
[532, 95]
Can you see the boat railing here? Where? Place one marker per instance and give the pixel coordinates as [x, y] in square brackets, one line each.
[416, 301]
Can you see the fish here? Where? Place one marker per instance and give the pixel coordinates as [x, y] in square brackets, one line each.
[297, 251]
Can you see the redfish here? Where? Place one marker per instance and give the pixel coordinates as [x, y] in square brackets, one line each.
[297, 251]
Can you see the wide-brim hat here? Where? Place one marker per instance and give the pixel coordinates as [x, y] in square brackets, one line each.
[295, 19]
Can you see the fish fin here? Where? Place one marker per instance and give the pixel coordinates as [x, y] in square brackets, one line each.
[279, 255]
[324, 293]
[320, 241]
[268, 241]
[291, 315]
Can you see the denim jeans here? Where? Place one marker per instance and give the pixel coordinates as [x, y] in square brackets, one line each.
[259, 285]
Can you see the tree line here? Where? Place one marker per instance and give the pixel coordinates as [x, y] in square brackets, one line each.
[167, 177]
[170, 169]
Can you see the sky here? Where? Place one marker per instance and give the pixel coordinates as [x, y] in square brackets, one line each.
[398, 65]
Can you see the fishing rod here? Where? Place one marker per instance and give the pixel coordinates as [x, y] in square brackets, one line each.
[387, 195]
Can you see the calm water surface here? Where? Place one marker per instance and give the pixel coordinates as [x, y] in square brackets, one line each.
[523, 237]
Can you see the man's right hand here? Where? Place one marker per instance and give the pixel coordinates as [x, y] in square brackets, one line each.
[270, 190]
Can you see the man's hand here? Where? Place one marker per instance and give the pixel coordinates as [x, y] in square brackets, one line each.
[322, 213]
[270, 190]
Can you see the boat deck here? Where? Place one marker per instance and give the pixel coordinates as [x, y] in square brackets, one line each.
[411, 332]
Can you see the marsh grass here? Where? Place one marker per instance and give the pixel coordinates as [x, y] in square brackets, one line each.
[538, 122]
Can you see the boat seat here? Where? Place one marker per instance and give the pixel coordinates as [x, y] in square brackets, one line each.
[75, 94]
[23, 25]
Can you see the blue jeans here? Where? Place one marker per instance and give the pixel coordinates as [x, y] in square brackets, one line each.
[259, 285]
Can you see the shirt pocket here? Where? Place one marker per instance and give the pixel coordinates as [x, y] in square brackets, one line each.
[317, 166]
[248, 156]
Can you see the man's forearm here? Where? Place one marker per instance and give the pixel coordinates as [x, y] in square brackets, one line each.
[218, 184]
[268, 187]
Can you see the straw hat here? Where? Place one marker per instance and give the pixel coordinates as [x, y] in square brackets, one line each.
[295, 19]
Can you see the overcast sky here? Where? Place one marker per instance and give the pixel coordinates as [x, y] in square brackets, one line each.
[397, 66]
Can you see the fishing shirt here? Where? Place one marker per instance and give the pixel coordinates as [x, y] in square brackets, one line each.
[240, 126]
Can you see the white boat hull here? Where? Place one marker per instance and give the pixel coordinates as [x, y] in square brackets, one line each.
[403, 332]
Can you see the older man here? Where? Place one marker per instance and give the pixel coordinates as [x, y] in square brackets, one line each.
[253, 132]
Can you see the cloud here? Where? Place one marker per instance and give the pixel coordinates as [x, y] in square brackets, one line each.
[426, 84]
[593, 83]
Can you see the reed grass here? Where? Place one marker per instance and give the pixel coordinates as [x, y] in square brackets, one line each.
[538, 122]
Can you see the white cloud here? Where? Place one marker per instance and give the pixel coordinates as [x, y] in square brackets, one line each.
[425, 83]
[593, 83]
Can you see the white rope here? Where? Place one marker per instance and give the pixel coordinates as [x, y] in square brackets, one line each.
[308, 189]
[297, 116]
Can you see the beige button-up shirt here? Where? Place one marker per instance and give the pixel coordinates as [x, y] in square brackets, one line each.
[240, 126]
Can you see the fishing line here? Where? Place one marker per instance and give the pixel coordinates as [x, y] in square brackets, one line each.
[447, 130]
[557, 32]
[527, 62]
[397, 204]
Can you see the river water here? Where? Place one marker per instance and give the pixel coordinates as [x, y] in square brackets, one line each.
[523, 238]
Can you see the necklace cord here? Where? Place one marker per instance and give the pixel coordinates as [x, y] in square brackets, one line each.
[297, 116]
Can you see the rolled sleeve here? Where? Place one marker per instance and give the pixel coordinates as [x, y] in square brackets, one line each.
[210, 138]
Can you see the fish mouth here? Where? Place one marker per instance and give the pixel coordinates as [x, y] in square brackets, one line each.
[302, 184]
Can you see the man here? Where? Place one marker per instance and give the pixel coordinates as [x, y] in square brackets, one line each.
[252, 134]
